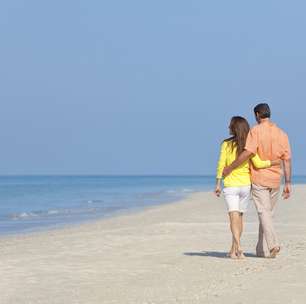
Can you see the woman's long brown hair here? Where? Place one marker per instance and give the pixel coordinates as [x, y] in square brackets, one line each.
[239, 128]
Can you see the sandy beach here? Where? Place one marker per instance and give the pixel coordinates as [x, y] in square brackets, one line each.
[173, 253]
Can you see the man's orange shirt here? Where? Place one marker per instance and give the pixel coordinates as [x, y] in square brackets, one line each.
[270, 142]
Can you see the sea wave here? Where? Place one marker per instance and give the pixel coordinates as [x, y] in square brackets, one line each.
[50, 213]
[95, 201]
[187, 190]
[63, 213]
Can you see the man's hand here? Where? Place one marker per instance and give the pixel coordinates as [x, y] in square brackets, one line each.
[287, 172]
[227, 171]
[287, 191]
[245, 155]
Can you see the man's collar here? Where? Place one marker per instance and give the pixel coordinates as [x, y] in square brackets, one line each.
[265, 121]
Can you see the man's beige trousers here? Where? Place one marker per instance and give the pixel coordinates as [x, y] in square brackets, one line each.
[265, 200]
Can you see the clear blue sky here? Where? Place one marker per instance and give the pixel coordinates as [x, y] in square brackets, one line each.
[144, 87]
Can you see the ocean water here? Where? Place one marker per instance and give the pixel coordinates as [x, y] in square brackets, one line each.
[30, 203]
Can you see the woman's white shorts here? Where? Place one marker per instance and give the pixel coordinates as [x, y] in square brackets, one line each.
[237, 198]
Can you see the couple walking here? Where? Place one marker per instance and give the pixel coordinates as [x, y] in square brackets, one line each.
[251, 164]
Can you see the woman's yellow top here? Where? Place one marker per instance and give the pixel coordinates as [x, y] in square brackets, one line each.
[240, 176]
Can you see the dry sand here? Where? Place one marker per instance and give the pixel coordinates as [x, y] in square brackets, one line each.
[173, 253]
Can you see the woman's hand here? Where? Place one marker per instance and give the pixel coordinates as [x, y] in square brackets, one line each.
[218, 188]
[276, 162]
[218, 191]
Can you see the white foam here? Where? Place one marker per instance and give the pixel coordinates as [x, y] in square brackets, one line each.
[187, 190]
[171, 191]
[53, 212]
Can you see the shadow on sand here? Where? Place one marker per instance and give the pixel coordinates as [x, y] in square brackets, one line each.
[216, 254]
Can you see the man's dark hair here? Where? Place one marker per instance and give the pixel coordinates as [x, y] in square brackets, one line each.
[263, 110]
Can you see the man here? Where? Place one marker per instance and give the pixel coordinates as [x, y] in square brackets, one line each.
[270, 142]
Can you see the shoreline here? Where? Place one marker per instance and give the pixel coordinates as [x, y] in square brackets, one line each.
[36, 224]
[60, 201]
[98, 218]
[170, 253]
[75, 223]
[114, 215]
[108, 217]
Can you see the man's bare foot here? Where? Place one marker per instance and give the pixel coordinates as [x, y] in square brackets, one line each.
[262, 255]
[274, 252]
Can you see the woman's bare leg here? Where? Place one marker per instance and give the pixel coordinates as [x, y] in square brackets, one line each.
[235, 229]
[241, 255]
[241, 224]
[232, 251]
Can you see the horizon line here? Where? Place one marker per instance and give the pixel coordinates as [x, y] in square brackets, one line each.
[117, 175]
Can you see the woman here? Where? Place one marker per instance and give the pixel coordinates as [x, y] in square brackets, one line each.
[237, 185]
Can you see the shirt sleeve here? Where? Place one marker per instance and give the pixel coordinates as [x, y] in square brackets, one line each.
[252, 141]
[222, 160]
[259, 163]
[286, 148]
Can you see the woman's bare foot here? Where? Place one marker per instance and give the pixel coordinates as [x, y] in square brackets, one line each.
[274, 252]
[232, 255]
[231, 252]
[240, 254]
